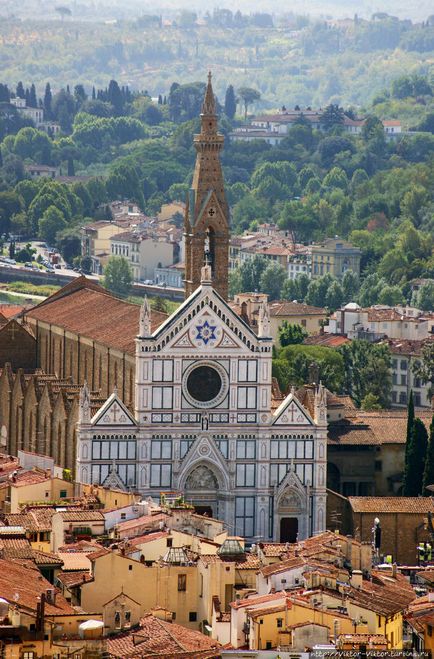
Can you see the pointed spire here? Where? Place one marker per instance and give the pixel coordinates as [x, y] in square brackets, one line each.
[84, 404]
[145, 319]
[208, 105]
[264, 320]
[320, 404]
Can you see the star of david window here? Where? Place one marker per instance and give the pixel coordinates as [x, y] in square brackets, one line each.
[206, 332]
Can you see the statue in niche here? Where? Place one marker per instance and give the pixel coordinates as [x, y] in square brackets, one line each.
[201, 478]
[205, 421]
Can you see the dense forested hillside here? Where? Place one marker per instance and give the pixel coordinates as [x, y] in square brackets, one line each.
[289, 59]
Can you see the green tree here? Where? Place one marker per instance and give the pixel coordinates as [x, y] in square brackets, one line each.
[410, 422]
[336, 178]
[250, 273]
[391, 296]
[50, 224]
[425, 297]
[334, 297]
[424, 369]
[298, 359]
[367, 370]
[332, 116]
[415, 460]
[248, 96]
[118, 276]
[428, 472]
[291, 334]
[370, 403]
[11, 203]
[272, 280]
[230, 103]
[70, 247]
[350, 286]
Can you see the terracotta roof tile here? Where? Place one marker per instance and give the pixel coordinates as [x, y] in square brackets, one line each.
[257, 599]
[285, 308]
[81, 310]
[384, 505]
[82, 516]
[157, 637]
[46, 558]
[271, 549]
[33, 520]
[24, 584]
[74, 560]
[71, 579]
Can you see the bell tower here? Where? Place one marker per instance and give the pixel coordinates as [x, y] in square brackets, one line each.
[206, 225]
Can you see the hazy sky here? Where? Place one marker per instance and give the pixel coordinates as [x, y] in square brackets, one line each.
[416, 10]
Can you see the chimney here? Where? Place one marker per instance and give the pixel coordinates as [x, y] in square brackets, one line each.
[394, 571]
[356, 579]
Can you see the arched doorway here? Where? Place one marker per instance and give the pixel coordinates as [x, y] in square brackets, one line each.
[288, 529]
[201, 488]
[292, 522]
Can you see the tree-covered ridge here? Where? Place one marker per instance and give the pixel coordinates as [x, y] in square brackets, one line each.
[289, 57]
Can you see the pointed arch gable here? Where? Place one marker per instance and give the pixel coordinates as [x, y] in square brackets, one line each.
[291, 413]
[219, 471]
[113, 413]
[291, 483]
[235, 331]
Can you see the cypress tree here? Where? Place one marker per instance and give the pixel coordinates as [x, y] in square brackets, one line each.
[428, 474]
[20, 90]
[230, 103]
[410, 421]
[415, 462]
[93, 94]
[48, 97]
[32, 99]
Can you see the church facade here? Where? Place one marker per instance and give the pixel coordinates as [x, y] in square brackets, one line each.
[205, 423]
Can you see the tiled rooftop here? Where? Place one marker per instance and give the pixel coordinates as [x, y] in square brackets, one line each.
[157, 637]
[418, 505]
[25, 584]
[74, 560]
[82, 516]
[80, 310]
[285, 308]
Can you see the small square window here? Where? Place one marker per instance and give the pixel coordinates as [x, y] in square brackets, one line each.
[192, 616]
[130, 567]
[63, 494]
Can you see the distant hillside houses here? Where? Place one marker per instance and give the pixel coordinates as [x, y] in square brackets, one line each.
[404, 329]
[272, 128]
[36, 115]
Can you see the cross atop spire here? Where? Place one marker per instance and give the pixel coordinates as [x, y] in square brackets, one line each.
[208, 105]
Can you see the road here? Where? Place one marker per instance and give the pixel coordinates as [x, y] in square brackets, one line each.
[9, 273]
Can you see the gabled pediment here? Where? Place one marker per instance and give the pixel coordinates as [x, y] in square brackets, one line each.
[203, 322]
[292, 413]
[114, 481]
[113, 413]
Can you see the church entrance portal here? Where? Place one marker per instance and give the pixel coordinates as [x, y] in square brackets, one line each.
[288, 529]
[201, 488]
